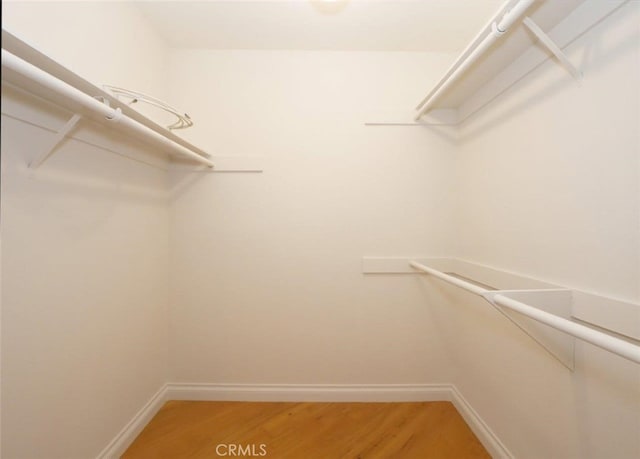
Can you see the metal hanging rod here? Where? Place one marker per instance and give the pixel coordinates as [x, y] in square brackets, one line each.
[78, 98]
[605, 341]
[498, 28]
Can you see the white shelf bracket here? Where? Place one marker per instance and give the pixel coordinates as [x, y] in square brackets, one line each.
[59, 137]
[555, 301]
[554, 48]
[543, 311]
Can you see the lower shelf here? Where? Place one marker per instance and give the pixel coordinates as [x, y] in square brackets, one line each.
[543, 311]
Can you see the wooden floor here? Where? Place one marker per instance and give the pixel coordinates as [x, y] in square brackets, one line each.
[184, 429]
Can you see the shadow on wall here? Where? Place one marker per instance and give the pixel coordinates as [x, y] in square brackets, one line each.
[76, 181]
[505, 375]
[602, 380]
[81, 187]
[447, 133]
[72, 184]
[182, 179]
[183, 175]
[80, 206]
[594, 56]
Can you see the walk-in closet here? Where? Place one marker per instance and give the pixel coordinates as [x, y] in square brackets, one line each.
[320, 229]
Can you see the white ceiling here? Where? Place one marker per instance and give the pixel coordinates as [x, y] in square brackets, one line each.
[363, 25]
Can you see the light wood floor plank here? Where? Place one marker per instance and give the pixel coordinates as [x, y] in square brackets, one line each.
[186, 429]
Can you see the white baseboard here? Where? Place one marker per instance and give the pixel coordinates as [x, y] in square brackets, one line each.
[486, 436]
[307, 393]
[125, 437]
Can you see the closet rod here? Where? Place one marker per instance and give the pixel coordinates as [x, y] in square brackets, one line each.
[607, 342]
[32, 73]
[497, 30]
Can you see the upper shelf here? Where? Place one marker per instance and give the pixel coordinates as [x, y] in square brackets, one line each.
[39, 75]
[495, 60]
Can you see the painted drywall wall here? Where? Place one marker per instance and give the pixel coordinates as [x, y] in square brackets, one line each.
[265, 267]
[551, 170]
[84, 294]
[104, 42]
[84, 259]
[548, 181]
[266, 277]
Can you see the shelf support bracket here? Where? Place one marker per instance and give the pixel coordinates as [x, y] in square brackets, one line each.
[553, 47]
[555, 301]
[57, 140]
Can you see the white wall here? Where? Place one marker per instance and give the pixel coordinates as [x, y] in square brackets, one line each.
[548, 180]
[549, 175]
[104, 42]
[266, 276]
[85, 248]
